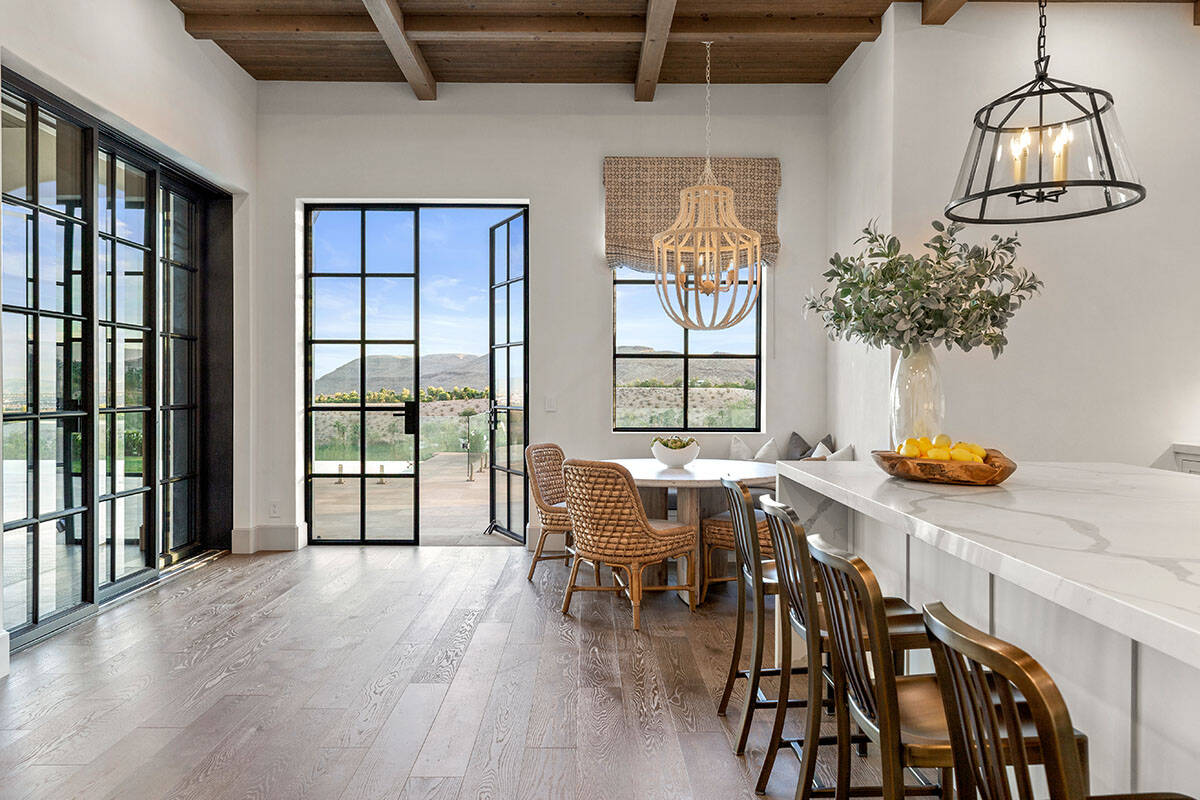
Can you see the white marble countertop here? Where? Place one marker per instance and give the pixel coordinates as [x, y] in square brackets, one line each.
[1115, 543]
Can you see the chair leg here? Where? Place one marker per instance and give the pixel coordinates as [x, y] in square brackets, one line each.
[736, 659]
[947, 783]
[691, 582]
[635, 594]
[706, 551]
[781, 703]
[566, 607]
[812, 733]
[755, 672]
[537, 554]
[596, 573]
[842, 713]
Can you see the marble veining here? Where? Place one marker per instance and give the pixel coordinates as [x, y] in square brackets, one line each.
[1115, 543]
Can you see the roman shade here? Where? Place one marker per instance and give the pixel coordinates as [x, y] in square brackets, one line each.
[641, 198]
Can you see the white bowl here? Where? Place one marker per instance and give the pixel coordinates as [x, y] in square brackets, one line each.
[675, 458]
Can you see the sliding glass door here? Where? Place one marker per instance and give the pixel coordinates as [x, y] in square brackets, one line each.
[101, 251]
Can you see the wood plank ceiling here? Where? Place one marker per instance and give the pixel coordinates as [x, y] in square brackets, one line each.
[639, 42]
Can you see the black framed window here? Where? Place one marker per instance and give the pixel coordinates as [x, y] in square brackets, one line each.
[46, 398]
[668, 378]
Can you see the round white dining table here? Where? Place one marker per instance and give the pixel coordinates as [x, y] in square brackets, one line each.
[690, 482]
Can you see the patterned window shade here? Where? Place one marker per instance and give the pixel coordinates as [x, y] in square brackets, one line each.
[641, 198]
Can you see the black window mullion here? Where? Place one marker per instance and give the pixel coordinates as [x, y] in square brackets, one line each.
[362, 375]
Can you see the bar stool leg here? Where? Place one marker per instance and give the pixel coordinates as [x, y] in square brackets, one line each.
[842, 713]
[812, 732]
[755, 674]
[736, 658]
[781, 705]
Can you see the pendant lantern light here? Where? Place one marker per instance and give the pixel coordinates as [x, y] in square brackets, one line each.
[708, 265]
[1048, 150]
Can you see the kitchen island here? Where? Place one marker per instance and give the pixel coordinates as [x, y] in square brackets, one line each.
[1092, 568]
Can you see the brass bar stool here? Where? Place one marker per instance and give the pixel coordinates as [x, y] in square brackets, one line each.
[610, 527]
[800, 606]
[903, 714]
[751, 573]
[544, 465]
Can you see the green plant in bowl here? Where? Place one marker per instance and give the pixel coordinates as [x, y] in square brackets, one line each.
[674, 451]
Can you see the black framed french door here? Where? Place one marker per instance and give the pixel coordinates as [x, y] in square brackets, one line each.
[362, 435]
[509, 375]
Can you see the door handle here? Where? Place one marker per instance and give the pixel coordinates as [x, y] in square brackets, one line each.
[410, 416]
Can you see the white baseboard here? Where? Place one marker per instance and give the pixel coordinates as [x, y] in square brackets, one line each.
[269, 537]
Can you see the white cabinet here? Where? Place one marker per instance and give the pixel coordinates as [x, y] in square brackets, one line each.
[1187, 458]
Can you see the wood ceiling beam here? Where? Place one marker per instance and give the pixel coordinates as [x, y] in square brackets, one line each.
[282, 27]
[939, 12]
[496, 28]
[1196, 13]
[781, 30]
[659, 14]
[390, 21]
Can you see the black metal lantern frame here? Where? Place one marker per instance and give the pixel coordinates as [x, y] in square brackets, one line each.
[1048, 150]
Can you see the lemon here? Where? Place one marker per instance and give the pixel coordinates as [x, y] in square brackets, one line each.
[962, 454]
[938, 453]
[976, 449]
[941, 441]
[910, 449]
[925, 444]
[976, 459]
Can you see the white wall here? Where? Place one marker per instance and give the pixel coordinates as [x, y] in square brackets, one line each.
[544, 144]
[1104, 365]
[861, 130]
[130, 63]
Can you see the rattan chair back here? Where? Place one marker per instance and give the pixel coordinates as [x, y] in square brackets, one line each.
[606, 511]
[544, 464]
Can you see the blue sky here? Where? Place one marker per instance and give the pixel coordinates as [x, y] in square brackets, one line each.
[454, 278]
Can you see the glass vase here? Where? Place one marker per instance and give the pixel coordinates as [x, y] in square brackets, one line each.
[918, 406]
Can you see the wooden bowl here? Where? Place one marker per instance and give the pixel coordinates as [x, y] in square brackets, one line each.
[996, 467]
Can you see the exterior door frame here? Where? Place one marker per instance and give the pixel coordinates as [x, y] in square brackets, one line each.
[495, 471]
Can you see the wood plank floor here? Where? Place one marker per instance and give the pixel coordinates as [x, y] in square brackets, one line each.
[359, 673]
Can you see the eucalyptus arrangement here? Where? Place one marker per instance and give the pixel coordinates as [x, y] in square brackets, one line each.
[955, 294]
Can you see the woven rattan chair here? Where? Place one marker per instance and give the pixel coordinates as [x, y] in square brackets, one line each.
[610, 527]
[544, 465]
[903, 714]
[717, 533]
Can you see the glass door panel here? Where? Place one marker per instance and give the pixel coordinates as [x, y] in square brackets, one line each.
[509, 427]
[362, 365]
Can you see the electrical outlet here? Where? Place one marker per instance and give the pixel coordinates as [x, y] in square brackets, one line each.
[274, 512]
[551, 403]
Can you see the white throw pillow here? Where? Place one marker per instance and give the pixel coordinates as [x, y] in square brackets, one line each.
[845, 454]
[769, 452]
[740, 451]
[821, 452]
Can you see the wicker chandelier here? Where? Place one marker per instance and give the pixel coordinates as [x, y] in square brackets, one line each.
[707, 264]
[1048, 150]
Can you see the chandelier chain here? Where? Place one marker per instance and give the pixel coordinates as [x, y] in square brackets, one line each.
[1042, 58]
[707, 104]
